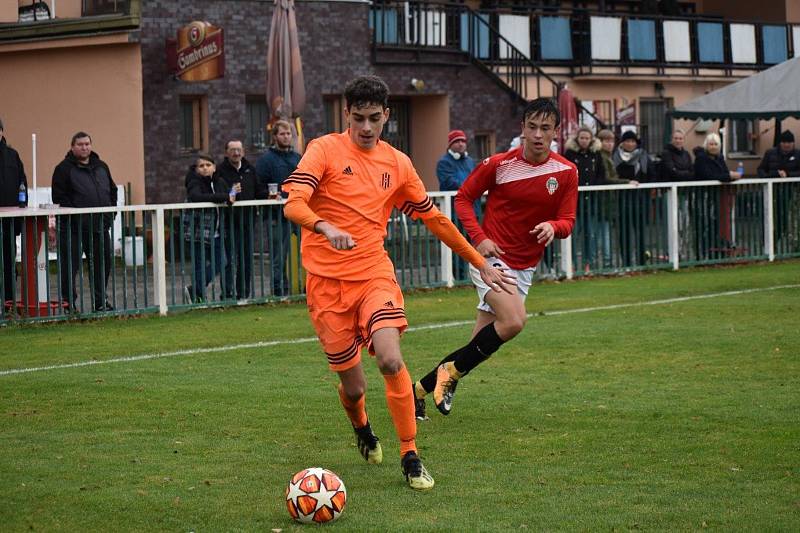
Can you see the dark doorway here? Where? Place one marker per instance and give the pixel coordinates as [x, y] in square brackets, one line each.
[396, 131]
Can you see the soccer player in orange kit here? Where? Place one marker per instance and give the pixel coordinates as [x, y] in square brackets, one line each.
[342, 194]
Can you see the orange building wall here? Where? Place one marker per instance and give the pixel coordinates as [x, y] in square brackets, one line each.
[47, 93]
[67, 8]
[430, 122]
[793, 11]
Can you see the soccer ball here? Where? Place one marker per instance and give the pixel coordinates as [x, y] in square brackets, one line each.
[315, 495]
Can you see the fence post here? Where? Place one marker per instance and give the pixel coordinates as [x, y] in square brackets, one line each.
[672, 227]
[159, 261]
[566, 257]
[446, 207]
[769, 242]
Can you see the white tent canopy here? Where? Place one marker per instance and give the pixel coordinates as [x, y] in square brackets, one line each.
[773, 93]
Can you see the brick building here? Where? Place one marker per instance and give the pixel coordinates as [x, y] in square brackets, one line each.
[101, 66]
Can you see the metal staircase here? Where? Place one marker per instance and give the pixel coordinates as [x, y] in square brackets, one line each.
[451, 34]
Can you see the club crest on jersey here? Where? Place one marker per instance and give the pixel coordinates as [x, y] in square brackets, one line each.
[552, 185]
[386, 180]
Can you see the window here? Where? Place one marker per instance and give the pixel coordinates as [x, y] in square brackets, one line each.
[396, 130]
[740, 136]
[602, 109]
[257, 116]
[333, 114]
[105, 7]
[654, 123]
[193, 123]
[484, 145]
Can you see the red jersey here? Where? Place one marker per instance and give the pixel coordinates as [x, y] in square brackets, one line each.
[521, 195]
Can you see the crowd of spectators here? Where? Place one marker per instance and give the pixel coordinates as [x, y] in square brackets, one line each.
[221, 241]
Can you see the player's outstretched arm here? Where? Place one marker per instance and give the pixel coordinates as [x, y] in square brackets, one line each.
[446, 232]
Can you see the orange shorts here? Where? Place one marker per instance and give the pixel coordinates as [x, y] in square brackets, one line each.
[347, 313]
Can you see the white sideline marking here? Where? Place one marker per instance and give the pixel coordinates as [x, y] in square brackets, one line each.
[441, 325]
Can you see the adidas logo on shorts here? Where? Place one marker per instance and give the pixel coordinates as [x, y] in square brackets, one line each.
[347, 171]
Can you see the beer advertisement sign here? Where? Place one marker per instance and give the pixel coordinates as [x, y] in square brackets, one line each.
[200, 53]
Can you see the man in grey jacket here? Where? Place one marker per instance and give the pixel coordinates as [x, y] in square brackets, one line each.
[82, 179]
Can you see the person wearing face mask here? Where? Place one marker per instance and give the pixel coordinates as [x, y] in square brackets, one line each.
[456, 164]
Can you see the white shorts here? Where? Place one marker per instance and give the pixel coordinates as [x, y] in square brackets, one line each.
[524, 279]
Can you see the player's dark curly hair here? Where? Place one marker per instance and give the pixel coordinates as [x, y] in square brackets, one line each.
[366, 90]
[542, 107]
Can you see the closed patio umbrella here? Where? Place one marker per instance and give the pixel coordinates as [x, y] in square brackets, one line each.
[569, 115]
[286, 92]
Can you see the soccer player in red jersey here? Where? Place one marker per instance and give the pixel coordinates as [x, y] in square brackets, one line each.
[342, 194]
[532, 198]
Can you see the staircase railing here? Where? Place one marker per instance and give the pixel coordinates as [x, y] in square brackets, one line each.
[447, 27]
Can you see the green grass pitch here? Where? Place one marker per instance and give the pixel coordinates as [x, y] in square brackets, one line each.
[680, 415]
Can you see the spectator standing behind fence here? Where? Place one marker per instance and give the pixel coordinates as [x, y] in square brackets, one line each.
[452, 170]
[677, 165]
[272, 169]
[236, 169]
[632, 162]
[584, 151]
[782, 161]
[710, 165]
[676, 162]
[202, 226]
[82, 179]
[456, 164]
[609, 206]
[12, 175]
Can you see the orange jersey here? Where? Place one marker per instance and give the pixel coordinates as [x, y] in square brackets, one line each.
[355, 189]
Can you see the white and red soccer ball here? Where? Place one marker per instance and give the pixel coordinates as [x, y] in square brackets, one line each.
[315, 495]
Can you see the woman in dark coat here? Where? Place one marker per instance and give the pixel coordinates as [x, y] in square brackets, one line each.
[713, 204]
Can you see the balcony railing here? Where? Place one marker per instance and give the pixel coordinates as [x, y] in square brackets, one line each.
[97, 16]
[584, 40]
[164, 258]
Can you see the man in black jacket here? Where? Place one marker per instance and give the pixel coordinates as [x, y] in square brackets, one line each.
[82, 179]
[238, 237]
[12, 174]
[676, 162]
[782, 161]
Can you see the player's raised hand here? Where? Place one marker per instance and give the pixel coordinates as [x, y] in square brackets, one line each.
[544, 233]
[488, 248]
[341, 240]
[497, 279]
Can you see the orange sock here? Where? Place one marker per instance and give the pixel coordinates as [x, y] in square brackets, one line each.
[356, 410]
[400, 400]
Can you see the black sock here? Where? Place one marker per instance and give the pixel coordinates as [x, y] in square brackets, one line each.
[483, 345]
[429, 381]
